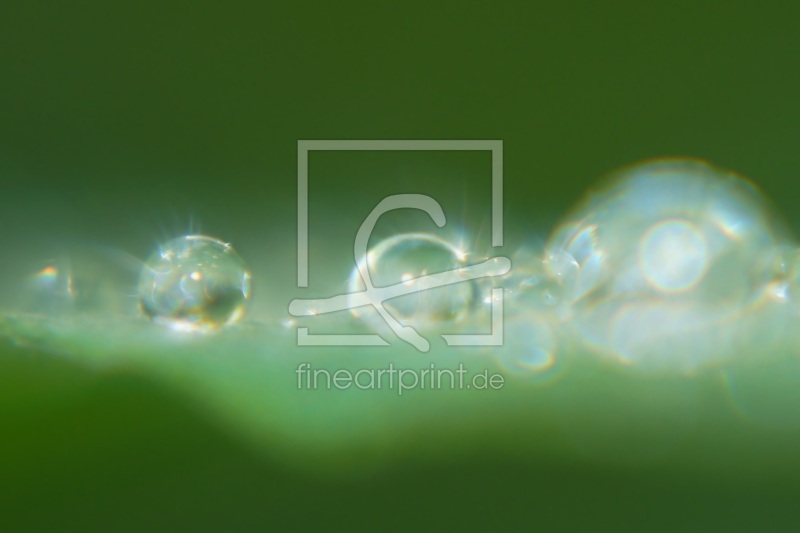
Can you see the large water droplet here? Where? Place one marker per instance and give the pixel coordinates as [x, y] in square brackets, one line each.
[669, 260]
[194, 283]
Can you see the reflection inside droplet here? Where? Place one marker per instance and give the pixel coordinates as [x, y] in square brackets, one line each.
[674, 255]
[780, 275]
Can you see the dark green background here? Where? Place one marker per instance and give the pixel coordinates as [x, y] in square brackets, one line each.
[121, 123]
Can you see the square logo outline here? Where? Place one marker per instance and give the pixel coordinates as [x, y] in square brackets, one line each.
[495, 147]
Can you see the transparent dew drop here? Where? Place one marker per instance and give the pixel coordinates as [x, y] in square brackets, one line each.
[536, 291]
[407, 258]
[539, 284]
[194, 283]
[529, 348]
[89, 279]
[561, 267]
[669, 261]
[50, 289]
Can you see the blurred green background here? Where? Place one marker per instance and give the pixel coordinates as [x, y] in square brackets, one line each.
[124, 123]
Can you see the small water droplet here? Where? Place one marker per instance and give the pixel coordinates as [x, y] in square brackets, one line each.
[194, 283]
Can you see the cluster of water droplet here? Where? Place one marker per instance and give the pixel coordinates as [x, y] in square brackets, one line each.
[671, 265]
[674, 265]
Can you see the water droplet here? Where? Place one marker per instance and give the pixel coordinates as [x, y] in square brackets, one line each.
[194, 283]
[666, 259]
[406, 259]
[528, 349]
[539, 284]
[51, 289]
[536, 292]
[82, 279]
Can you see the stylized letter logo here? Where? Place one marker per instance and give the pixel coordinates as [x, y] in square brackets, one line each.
[375, 296]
